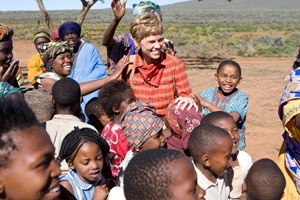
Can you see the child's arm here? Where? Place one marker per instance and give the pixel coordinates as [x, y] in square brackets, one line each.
[236, 116]
[119, 12]
[67, 185]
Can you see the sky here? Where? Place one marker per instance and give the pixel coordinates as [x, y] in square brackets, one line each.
[13, 5]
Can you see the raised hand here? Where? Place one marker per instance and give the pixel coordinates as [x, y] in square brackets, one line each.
[118, 8]
[123, 62]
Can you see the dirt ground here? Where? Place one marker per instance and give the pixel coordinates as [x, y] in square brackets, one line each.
[263, 81]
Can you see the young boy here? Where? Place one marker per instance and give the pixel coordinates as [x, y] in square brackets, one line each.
[161, 174]
[211, 147]
[143, 131]
[265, 181]
[241, 161]
[66, 96]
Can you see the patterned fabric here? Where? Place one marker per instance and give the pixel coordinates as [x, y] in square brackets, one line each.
[114, 136]
[41, 34]
[49, 51]
[140, 122]
[289, 155]
[173, 83]
[184, 121]
[54, 35]
[5, 31]
[146, 6]
[69, 27]
[236, 102]
[7, 89]
[19, 76]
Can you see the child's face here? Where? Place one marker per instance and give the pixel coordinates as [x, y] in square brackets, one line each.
[155, 142]
[220, 159]
[62, 64]
[129, 98]
[228, 78]
[184, 185]
[32, 172]
[88, 162]
[229, 125]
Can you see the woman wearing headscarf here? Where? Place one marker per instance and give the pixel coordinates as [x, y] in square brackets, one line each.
[57, 63]
[8, 66]
[34, 63]
[121, 45]
[289, 155]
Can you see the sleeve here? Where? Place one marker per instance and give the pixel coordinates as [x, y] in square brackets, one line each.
[240, 105]
[34, 68]
[182, 84]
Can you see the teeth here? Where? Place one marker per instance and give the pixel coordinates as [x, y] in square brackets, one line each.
[56, 189]
[67, 66]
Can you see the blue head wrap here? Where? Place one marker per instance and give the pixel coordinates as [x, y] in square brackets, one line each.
[147, 6]
[69, 27]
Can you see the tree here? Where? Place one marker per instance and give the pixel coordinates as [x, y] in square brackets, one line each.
[86, 5]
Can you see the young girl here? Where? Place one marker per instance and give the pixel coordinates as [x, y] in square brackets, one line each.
[143, 131]
[28, 169]
[114, 98]
[227, 97]
[241, 161]
[85, 152]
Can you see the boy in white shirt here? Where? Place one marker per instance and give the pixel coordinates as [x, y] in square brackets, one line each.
[211, 147]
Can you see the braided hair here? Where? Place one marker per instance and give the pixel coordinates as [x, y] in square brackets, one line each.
[76, 138]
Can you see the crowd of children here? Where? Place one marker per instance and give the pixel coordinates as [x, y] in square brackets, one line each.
[148, 136]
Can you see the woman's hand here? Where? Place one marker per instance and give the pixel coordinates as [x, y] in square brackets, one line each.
[118, 9]
[10, 73]
[101, 191]
[123, 62]
[168, 47]
[184, 102]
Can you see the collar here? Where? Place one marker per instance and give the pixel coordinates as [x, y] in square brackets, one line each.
[80, 183]
[138, 62]
[203, 181]
[68, 117]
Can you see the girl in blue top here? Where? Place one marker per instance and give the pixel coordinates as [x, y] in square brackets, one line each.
[84, 151]
[227, 97]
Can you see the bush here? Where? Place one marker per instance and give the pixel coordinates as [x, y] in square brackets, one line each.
[278, 40]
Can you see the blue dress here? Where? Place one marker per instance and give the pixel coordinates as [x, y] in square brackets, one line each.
[236, 102]
[81, 190]
[88, 67]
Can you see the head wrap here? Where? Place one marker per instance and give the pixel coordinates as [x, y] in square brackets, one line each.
[7, 89]
[69, 27]
[5, 31]
[54, 35]
[184, 121]
[49, 51]
[146, 6]
[41, 34]
[140, 122]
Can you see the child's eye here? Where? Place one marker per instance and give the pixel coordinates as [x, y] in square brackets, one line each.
[99, 158]
[45, 163]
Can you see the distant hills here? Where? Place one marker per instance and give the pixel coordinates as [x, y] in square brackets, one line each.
[203, 12]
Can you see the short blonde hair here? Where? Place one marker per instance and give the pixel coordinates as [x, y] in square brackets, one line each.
[144, 25]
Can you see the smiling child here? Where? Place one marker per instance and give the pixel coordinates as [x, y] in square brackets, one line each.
[211, 148]
[241, 161]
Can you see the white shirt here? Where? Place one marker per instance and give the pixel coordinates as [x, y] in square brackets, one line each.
[214, 191]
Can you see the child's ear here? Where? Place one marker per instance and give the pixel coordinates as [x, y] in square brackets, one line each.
[116, 110]
[136, 43]
[206, 160]
[71, 166]
[216, 77]
[52, 100]
[137, 149]
[240, 80]
[244, 187]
